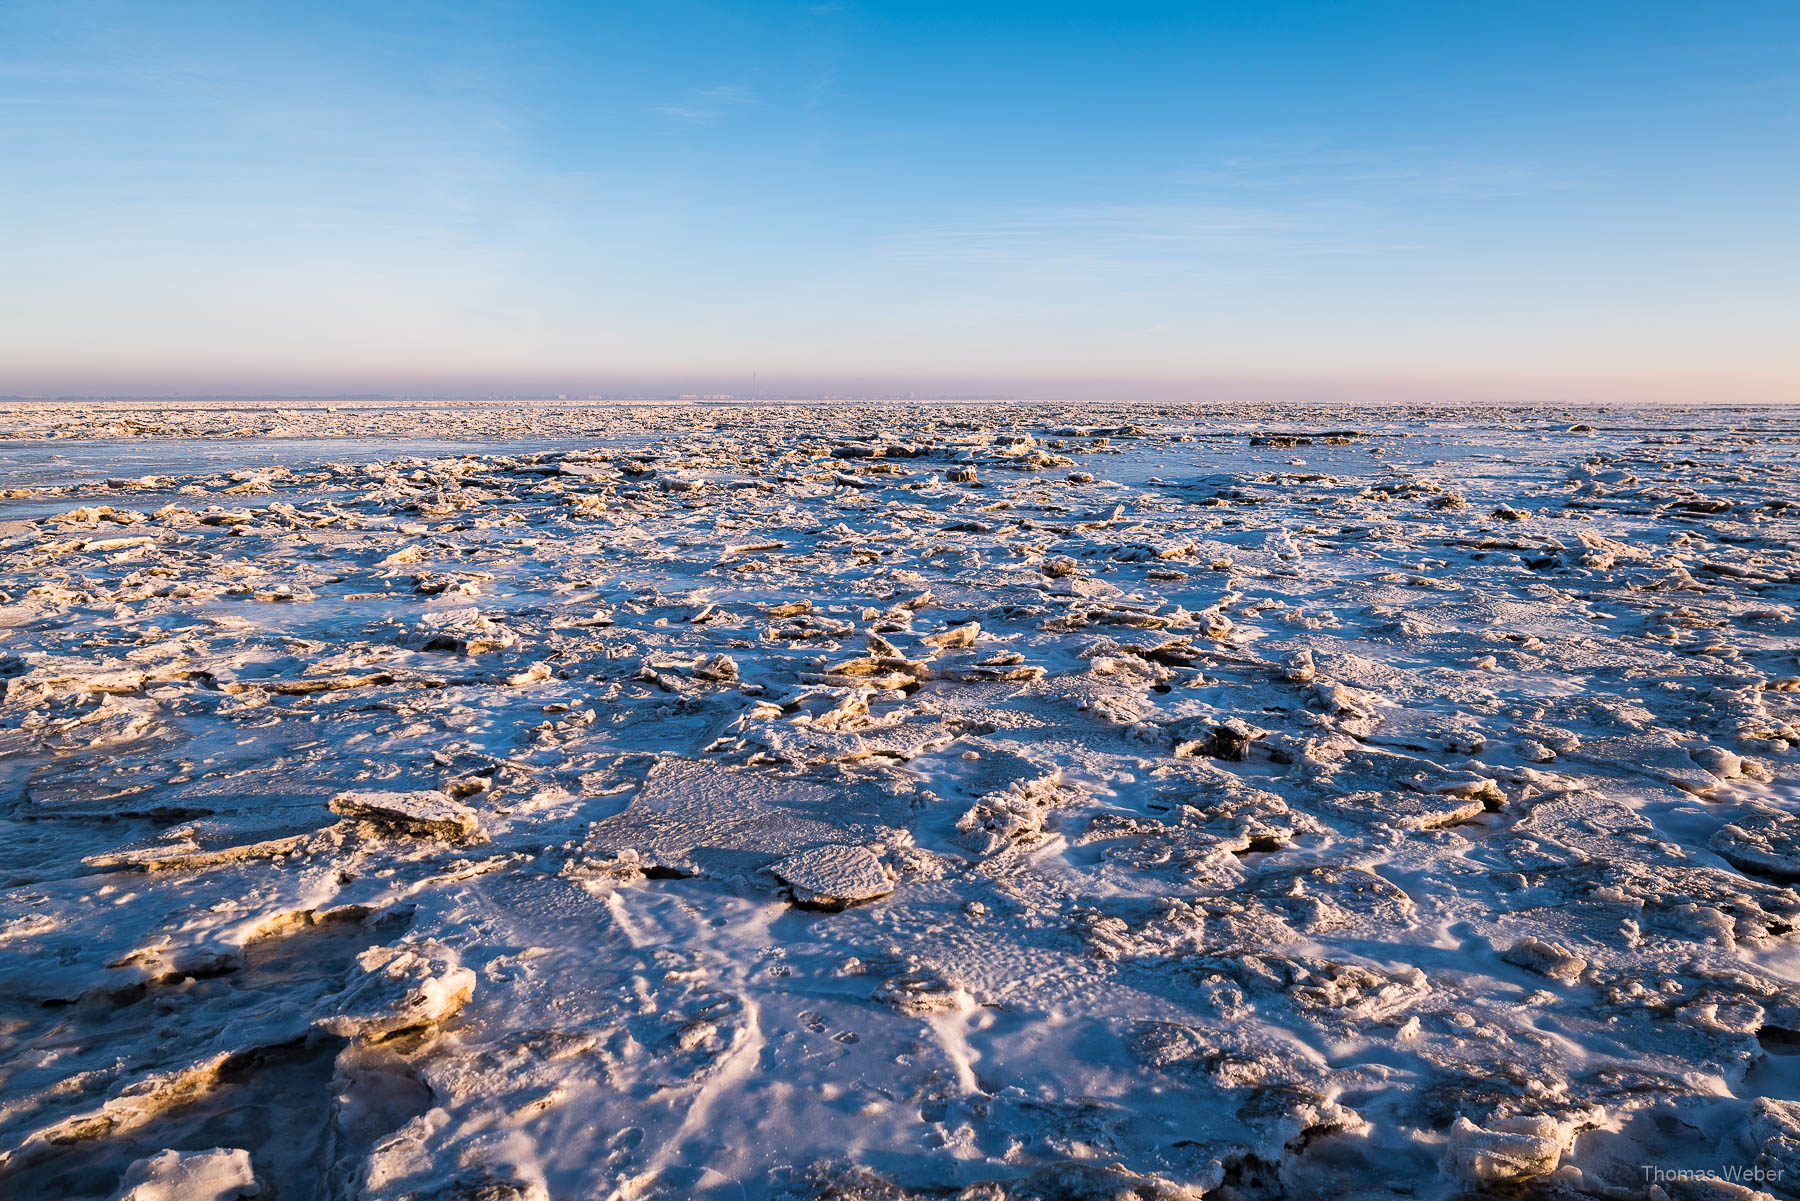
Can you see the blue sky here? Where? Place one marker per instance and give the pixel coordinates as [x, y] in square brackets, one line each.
[1465, 199]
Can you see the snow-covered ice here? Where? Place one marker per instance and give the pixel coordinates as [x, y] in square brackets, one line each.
[983, 801]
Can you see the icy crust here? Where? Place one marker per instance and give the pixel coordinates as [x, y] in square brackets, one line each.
[1767, 843]
[989, 802]
[408, 987]
[216, 1175]
[834, 876]
[425, 812]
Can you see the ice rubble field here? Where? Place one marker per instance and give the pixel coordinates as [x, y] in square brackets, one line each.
[857, 801]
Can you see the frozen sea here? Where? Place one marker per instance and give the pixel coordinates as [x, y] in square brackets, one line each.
[983, 801]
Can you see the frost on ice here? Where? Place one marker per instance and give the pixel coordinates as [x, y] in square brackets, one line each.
[216, 1175]
[979, 801]
[426, 812]
[833, 876]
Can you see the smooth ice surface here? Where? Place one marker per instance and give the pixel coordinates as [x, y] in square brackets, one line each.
[982, 801]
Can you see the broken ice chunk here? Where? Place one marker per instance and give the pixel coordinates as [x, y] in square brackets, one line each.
[955, 637]
[1408, 811]
[1298, 667]
[404, 987]
[1463, 784]
[1719, 761]
[835, 876]
[1766, 842]
[1773, 1135]
[1508, 1149]
[1011, 816]
[191, 848]
[462, 632]
[1229, 739]
[1546, 959]
[220, 1174]
[1654, 754]
[425, 812]
[720, 668]
[1535, 751]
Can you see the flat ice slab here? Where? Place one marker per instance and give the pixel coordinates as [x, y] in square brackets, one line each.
[425, 811]
[833, 876]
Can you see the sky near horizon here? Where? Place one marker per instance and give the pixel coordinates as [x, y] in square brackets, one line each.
[1465, 199]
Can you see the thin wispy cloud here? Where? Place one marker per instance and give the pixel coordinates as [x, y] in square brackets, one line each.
[710, 104]
[1143, 238]
[1410, 170]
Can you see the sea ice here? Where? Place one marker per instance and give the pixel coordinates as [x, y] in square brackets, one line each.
[977, 801]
